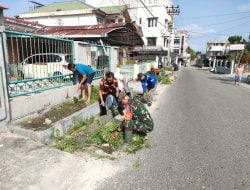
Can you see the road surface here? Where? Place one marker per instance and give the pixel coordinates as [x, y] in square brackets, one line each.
[201, 139]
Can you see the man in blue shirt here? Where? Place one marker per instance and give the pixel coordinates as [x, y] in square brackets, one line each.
[148, 82]
[86, 75]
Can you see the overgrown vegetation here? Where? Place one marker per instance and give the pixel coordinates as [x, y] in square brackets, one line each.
[73, 140]
[165, 78]
[58, 112]
[80, 136]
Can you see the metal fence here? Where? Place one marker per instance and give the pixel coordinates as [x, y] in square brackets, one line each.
[36, 63]
[127, 71]
[95, 55]
[143, 67]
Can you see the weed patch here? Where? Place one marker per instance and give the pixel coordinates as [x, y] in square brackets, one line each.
[136, 165]
[57, 113]
[80, 137]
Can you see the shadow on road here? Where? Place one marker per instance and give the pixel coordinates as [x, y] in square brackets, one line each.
[223, 80]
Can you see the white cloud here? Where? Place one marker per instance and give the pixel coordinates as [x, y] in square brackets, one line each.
[244, 7]
[196, 30]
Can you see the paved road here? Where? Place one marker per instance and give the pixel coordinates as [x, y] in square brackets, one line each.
[201, 139]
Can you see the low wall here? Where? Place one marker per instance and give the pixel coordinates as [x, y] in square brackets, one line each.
[27, 105]
[48, 136]
[223, 70]
[131, 71]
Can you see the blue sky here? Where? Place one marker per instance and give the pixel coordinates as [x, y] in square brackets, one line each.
[204, 19]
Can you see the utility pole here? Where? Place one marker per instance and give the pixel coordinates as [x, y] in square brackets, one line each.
[172, 11]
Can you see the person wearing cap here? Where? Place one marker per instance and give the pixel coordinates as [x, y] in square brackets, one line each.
[148, 82]
[108, 90]
[136, 118]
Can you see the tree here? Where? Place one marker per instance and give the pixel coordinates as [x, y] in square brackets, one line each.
[246, 58]
[236, 39]
[191, 52]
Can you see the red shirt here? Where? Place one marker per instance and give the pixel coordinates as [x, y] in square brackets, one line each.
[108, 87]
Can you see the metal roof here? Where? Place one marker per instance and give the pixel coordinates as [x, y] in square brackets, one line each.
[60, 6]
[98, 30]
[3, 7]
[119, 9]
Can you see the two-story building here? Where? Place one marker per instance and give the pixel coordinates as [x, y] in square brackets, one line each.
[156, 23]
[75, 13]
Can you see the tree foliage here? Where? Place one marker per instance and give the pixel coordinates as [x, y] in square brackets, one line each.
[236, 39]
[246, 57]
[192, 53]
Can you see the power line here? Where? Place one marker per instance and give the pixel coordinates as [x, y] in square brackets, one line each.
[132, 14]
[217, 15]
[217, 33]
[151, 13]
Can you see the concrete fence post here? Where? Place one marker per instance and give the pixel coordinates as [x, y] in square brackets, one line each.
[4, 100]
[136, 71]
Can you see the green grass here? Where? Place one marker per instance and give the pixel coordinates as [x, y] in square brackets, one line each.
[103, 135]
[80, 136]
[136, 165]
[166, 80]
[73, 139]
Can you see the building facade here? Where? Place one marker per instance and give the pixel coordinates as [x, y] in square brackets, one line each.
[76, 13]
[180, 47]
[157, 26]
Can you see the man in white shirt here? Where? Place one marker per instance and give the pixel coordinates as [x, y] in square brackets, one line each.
[122, 82]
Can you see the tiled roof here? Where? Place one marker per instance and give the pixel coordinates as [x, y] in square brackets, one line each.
[119, 9]
[61, 6]
[21, 25]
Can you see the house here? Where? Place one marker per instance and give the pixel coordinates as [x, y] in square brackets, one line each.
[20, 25]
[75, 13]
[157, 26]
[180, 47]
[217, 53]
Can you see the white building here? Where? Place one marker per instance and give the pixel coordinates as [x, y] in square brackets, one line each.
[76, 13]
[157, 25]
[216, 53]
[180, 46]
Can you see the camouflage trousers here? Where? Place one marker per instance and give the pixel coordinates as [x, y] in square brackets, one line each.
[138, 126]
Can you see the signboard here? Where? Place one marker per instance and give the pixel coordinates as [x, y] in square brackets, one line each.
[237, 47]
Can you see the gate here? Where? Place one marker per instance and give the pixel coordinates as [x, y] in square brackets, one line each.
[36, 63]
[95, 55]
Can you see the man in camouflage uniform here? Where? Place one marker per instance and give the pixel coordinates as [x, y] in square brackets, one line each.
[136, 118]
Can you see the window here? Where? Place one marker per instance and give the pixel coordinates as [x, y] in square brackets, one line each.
[176, 51]
[140, 21]
[166, 23]
[177, 41]
[165, 42]
[100, 21]
[151, 41]
[152, 22]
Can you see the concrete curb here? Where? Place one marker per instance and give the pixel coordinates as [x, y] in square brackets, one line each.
[48, 136]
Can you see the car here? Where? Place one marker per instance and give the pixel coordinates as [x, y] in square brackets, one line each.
[44, 65]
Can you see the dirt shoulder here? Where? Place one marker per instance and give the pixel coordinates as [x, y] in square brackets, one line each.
[28, 165]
